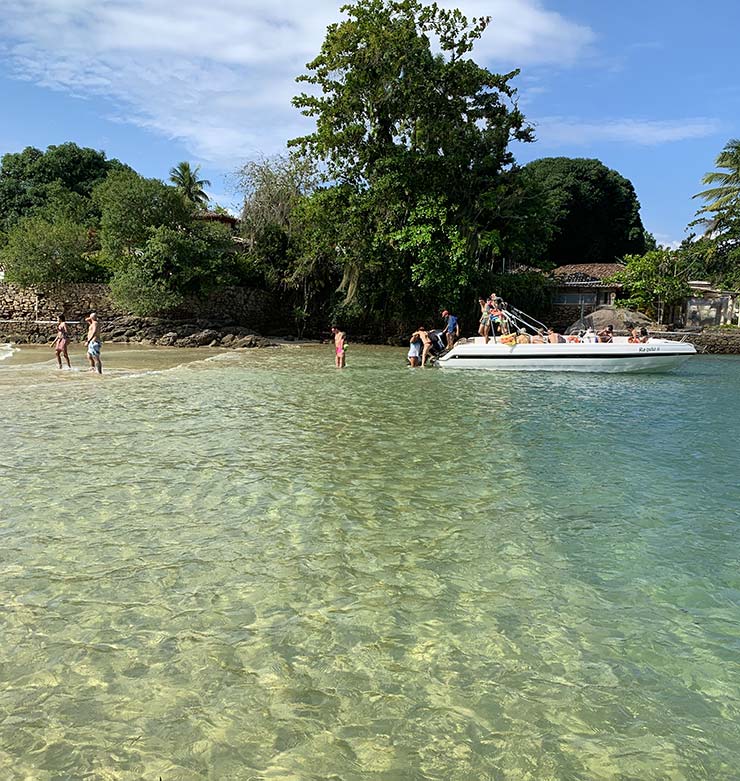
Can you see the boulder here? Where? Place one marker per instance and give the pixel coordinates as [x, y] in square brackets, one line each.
[620, 319]
[168, 339]
[203, 338]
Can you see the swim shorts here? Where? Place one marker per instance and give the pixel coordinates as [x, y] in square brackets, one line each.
[93, 349]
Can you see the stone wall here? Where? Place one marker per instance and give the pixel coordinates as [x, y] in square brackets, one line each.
[257, 309]
[75, 301]
[715, 341]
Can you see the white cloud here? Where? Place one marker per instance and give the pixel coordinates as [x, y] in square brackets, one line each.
[566, 132]
[664, 240]
[219, 75]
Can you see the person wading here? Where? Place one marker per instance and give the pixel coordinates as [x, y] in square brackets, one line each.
[340, 348]
[61, 342]
[93, 343]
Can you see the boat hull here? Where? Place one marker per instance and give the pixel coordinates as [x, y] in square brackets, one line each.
[660, 356]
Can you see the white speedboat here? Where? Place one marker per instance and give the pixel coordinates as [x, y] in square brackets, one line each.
[655, 355]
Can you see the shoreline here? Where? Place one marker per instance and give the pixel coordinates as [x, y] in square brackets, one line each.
[166, 332]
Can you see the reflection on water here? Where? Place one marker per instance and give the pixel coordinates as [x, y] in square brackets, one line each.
[252, 566]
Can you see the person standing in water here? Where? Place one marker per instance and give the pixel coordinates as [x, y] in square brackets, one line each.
[93, 343]
[61, 342]
[426, 342]
[340, 347]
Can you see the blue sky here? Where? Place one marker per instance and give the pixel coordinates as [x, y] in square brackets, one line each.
[650, 88]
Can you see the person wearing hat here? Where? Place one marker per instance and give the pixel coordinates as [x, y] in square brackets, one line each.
[452, 329]
[93, 343]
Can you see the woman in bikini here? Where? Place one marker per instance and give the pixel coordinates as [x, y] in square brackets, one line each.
[426, 342]
[61, 342]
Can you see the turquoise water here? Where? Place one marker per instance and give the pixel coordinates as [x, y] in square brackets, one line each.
[252, 566]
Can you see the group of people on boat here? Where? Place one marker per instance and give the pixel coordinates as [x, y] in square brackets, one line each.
[498, 323]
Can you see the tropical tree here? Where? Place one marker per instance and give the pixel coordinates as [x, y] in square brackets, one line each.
[186, 181]
[413, 131]
[45, 251]
[30, 179]
[130, 206]
[593, 210]
[722, 205]
[655, 281]
[272, 188]
[172, 263]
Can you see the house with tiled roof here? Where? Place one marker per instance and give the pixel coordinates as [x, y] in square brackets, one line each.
[582, 287]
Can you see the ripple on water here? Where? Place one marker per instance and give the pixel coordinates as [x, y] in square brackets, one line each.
[258, 567]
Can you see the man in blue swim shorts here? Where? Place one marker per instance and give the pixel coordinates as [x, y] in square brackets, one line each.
[93, 343]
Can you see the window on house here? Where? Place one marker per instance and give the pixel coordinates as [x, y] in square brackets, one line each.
[575, 299]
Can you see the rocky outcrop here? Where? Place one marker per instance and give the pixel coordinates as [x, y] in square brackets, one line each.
[144, 330]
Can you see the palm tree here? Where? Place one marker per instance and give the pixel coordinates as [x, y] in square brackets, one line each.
[723, 199]
[186, 180]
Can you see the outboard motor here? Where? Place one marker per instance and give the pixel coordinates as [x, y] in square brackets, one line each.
[439, 343]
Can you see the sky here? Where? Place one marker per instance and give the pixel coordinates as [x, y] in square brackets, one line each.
[650, 88]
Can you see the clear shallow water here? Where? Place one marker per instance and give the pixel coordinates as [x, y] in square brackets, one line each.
[255, 567]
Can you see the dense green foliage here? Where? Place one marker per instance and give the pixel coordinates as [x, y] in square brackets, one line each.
[84, 218]
[171, 263]
[130, 207]
[403, 200]
[30, 179]
[655, 281]
[593, 211]
[416, 140]
[42, 252]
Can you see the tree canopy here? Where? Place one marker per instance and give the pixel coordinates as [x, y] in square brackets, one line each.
[593, 211]
[31, 178]
[654, 281]
[43, 252]
[415, 133]
[130, 206]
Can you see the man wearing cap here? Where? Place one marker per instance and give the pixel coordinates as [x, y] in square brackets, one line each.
[452, 329]
[93, 343]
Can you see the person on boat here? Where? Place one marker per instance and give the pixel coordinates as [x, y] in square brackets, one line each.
[644, 335]
[498, 321]
[553, 337]
[452, 329]
[93, 343]
[606, 335]
[414, 354]
[539, 337]
[426, 344]
[340, 347]
[484, 326]
[589, 336]
[523, 337]
[61, 342]
[634, 337]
